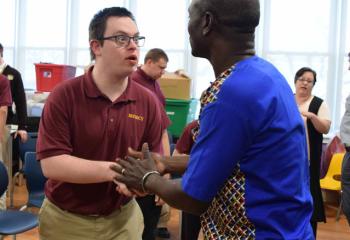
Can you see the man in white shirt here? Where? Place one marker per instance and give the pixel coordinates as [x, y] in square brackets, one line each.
[345, 176]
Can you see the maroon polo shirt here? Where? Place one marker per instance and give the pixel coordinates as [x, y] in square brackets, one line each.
[146, 81]
[81, 121]
[185, 142]
[5, 92]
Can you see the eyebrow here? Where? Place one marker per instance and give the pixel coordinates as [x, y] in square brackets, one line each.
[124, 33]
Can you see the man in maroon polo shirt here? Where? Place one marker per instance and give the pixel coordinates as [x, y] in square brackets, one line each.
[5, 101]
[86, 124]
[154, 66]
[155, 63]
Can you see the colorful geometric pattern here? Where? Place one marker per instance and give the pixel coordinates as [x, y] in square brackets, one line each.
[225, 219]
[210, 95]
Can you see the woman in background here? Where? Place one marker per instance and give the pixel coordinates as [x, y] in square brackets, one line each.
[315, 114]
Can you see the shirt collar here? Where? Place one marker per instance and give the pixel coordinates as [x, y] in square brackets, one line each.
[145, 76]
[92, 91]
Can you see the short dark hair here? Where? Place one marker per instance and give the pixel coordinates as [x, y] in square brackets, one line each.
[241, 16]
[1, 50]
[155, 54]
[303, 70]
[97, 25]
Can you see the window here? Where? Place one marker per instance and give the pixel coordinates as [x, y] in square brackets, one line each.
[7, 33]
[296, 26]
[82, 13]
[164, 24]
[345, 85]
[297, 34]
[292, 34]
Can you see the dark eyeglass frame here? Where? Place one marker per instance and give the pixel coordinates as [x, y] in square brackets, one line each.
[124, 40]
[301, 79]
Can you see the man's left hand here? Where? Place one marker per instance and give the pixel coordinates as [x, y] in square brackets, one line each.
[23, 135]
[131, 170]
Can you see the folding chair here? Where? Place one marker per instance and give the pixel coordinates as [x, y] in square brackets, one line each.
[28, 146]
[13, 222]
[331, 180]
[35, 181]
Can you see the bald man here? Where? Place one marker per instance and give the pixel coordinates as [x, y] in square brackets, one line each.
[248, 175]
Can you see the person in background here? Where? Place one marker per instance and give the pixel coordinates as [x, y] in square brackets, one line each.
[19, 116]
[345, 175]
[190, 223]
[153, 209]
[87, 123]
[315, 114]
[247, 174]
[5, 101]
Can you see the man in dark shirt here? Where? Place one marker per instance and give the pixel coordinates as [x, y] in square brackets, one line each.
[19, 116]
[154, 66]
[5, 101]
[155, 63]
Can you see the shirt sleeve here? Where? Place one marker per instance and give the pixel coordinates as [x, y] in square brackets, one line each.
[224, 137]
[345, 123]
[5, 92]
[164, 117]
[323, 112]
[19, 98]
[185, 142]
[155, 127]
[54, 135]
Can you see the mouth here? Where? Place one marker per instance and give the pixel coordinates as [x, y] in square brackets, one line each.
[132, 59]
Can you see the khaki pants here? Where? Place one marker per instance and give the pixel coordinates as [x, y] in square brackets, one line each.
[3, 158]
[164, 216]
[57, 224]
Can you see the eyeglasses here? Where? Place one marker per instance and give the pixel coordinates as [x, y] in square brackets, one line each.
[124, 41]
[308, 81]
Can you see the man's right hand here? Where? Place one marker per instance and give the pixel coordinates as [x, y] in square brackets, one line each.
[157, 158]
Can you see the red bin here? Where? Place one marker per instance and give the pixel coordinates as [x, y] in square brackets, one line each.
[49, 75]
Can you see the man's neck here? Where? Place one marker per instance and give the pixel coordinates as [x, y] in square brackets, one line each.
[112, 86]
[145, 70]
[225, 53]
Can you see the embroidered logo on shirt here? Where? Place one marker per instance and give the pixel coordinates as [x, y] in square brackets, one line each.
[136, 117]
[10, 77]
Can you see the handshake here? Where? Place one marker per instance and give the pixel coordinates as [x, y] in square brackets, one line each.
[133, 172]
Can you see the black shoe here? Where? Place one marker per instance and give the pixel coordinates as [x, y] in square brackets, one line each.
[163, 233]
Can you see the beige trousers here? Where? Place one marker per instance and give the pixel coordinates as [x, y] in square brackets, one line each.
[122, 224]
[3, 158]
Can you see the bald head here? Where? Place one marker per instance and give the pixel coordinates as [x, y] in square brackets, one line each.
[241, 16]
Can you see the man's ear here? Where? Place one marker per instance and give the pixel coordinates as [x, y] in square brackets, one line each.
[207, 23]
[95, 47]
[149, 62]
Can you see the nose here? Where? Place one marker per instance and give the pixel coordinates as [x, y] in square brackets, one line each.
[132, 43]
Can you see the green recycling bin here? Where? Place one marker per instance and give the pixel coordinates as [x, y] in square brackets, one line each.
[180, 112]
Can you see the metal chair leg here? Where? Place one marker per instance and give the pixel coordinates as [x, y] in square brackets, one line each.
[12, 188]
[339, 208]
